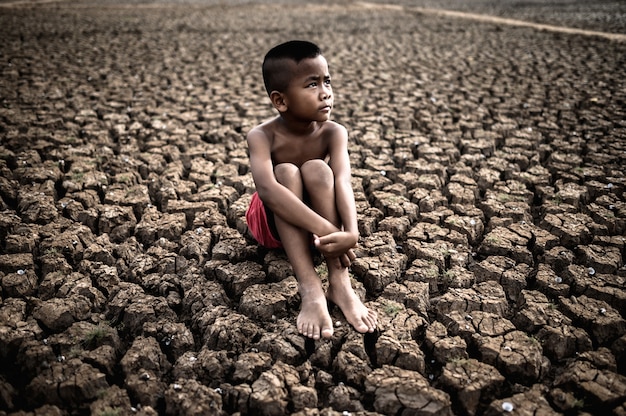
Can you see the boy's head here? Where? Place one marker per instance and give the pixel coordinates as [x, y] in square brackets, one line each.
[276, 68]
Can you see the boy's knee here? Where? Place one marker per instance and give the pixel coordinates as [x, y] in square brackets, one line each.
[317, 172]
[286, 172]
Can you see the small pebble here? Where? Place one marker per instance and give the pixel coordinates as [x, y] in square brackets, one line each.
[20, 272]
[507, 406]
[591, 271]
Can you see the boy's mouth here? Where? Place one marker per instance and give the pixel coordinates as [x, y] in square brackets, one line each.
[326, 107]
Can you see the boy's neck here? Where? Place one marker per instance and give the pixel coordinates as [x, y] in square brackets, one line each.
[300, 128]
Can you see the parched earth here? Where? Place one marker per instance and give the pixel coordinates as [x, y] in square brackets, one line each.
[488, 165]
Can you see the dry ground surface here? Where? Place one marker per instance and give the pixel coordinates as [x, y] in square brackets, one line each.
[488, 163]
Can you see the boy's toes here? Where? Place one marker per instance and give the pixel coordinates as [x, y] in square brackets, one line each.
[327, 333]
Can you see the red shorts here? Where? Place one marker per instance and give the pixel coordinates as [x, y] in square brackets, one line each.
[256, 217]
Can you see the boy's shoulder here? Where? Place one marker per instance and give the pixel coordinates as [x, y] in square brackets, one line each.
[270, 127]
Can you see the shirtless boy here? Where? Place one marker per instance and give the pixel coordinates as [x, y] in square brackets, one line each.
[301, 169]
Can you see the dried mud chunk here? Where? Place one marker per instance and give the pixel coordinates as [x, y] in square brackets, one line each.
[146, 388]
[471, 383]
[231, 332]
[536, 311]
[425, 271]
[397, 226]
[603, 259]
[609, 288]
[599, 388]
[472, 227]
[512, 242]
[283, 342]
[116, 221]
[132, 308]
[266, 301]
[188, 397]
[221, 194]
[603, 322]
[571, 228]
[549, 282]
[22, 283]
[571, 193]
[233, 247]
[485, 324]
[414, 295]
[505, 206]
[565, 341]
[135, 196]
[108, 400]
[397, 321]
[237, 277]
[504, 270]
[436, 252]
[343, 398]
[444, 348]
[402, 354]
[559, 258]
[59, 314]
[485, 296]
[271, 392]
[155, 225]
[15, 327]
[144, 354]
[531, 402]
[351, 367]
[204, 293]
[609, 216]
[515, 354]
[425, 233]
[250, 365]
[393, 205]
[68, 383]
[173, 337]
[36, 207]
[380, 271]
[397, 391]
[207, 366]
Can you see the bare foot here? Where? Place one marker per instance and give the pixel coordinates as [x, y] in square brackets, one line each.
[340, 292]
[314, 320]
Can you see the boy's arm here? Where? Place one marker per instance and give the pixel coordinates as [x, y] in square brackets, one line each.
[339, 244]
[274, 195]
[340, 165]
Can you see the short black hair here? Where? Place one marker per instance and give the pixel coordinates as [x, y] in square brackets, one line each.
[276, 74]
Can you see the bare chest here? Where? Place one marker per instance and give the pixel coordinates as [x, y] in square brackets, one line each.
[298, 150]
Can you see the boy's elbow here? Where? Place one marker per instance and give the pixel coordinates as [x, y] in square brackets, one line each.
[265, 195]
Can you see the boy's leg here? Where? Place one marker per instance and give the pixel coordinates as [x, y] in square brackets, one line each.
[314, 320]
[319, 182]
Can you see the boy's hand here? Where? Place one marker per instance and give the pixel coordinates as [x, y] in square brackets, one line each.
[337, 245]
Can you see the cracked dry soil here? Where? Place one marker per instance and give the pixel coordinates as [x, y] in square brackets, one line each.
[488, 166]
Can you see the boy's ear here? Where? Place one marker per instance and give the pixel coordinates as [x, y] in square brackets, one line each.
[278, 101]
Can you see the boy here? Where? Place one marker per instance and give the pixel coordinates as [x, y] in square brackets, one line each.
[301, 169]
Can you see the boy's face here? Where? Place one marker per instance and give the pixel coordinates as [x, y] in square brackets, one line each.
[310, 95]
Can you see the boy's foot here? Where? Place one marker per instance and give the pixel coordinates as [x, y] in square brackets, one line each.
[314, 320]
[340, 292]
